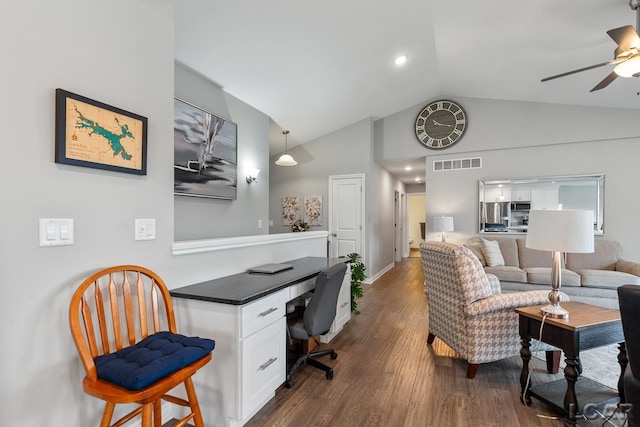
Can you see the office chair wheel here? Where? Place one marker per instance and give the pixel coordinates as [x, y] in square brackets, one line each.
[288, 383]
[334, 355]
[330, 374]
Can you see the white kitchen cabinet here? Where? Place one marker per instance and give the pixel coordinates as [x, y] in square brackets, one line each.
[521, 195]
[497, 195]
[542, 199]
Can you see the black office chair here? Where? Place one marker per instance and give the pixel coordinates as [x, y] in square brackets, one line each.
[629, 300]
[316, 320]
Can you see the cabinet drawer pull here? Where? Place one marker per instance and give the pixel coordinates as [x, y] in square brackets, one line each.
[268, 312]
[344, 304]
[267, 364]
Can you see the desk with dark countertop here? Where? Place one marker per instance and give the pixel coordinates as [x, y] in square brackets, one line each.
[245, 314]
[242, 288]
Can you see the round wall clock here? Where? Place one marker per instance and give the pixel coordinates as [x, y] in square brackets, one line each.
[440, 124]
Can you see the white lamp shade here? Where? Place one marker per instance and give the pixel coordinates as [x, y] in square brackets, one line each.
[560, 231]
[286, 160]
[443, 223]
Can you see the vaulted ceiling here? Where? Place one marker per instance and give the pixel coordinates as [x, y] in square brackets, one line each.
[315, 67]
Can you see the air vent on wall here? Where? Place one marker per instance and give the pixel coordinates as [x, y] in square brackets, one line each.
[447, 165]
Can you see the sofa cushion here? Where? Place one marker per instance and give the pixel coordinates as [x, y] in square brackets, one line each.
[508, 273]
[492, 253]
[532, 257]
[606, 278]
[542, 276]
[476, 248]
[151, 359]
[604, 257]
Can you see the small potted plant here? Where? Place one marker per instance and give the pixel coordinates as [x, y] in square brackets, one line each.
[299, 225]
[357, 277]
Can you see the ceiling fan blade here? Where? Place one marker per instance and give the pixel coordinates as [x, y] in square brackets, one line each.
[605, 82]
[625, 37]
[590, 67]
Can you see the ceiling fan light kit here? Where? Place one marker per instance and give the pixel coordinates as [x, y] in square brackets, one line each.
[629, 68]
[626, 55]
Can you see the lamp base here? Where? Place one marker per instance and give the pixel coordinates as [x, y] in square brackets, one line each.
[555, 311]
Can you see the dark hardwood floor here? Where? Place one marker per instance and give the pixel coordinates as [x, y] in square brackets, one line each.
[386, 374]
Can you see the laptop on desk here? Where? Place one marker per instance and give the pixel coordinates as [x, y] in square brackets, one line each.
[269, 268]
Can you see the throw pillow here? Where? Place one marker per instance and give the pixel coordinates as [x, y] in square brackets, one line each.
[492, 253]
[476, 248]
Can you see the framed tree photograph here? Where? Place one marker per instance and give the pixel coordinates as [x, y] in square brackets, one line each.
[290, 209]
[205, 153]
[313, 210]
[93, 134]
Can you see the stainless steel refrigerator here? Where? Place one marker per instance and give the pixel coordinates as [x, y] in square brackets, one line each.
[495, 213]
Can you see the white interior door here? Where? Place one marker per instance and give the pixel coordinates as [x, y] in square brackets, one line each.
[346, 198]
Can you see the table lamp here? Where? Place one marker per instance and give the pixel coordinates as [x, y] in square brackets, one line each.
[442, 224]
[559, 231]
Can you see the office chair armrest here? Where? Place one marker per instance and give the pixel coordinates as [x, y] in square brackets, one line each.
[508, 302]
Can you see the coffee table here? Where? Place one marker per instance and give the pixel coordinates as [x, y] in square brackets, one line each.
[588, 326]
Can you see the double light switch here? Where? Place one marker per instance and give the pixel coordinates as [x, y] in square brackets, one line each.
[56, 232]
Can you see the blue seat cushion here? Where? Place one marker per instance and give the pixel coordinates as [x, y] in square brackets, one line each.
[151, 359]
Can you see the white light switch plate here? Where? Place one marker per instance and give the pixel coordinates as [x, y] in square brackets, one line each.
[145, 229]
[57, 232]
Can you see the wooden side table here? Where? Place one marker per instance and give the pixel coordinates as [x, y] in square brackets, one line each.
[587, 327]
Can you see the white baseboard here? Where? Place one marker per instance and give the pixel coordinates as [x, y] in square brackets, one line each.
[370, 280]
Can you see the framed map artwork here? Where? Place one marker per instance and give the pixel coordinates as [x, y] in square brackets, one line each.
[92, 134]
[205, 151]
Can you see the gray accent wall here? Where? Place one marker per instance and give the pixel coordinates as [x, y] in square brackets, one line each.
[202, 218]
[522, 139]
[349, 150]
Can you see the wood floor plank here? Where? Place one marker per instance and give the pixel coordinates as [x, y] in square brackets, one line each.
[386, 375]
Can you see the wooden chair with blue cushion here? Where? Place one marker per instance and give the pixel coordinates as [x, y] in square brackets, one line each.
[123, 325]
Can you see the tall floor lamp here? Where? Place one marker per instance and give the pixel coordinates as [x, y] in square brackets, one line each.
[443, 224]
[559, 231]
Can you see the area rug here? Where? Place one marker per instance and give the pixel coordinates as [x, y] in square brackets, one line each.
[598, 364]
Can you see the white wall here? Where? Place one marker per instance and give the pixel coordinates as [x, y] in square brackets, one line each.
[120, 53]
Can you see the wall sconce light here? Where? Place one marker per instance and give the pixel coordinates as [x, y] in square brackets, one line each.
[252, 176]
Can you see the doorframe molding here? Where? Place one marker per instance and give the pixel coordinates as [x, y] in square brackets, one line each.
[363, 234]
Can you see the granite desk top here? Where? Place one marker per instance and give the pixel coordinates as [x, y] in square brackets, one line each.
[242, 288]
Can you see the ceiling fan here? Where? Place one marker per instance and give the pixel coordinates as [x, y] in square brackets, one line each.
[626, 56]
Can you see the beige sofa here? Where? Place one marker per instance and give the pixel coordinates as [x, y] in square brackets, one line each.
[591, 278]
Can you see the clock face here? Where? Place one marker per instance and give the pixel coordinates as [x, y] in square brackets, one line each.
[440, 124]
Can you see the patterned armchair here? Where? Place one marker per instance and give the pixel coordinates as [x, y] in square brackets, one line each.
[468, 312]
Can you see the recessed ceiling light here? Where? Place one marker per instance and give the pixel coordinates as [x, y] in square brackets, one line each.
[407, 168]
[401, 59]
[417, 179]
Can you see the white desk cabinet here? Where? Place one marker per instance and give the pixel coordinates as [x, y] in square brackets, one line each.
[249, 359]
[343, 308]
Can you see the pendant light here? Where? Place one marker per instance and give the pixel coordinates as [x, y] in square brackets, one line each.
[286, 159]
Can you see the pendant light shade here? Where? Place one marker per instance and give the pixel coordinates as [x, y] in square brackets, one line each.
[286, 159]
